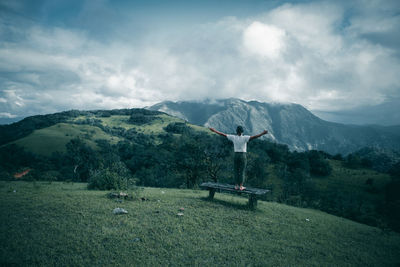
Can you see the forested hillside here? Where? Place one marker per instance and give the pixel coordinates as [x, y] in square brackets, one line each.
[119, 149]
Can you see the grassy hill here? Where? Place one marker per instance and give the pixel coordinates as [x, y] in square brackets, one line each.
[65, 224]
[50, 139]
[54, 138]
[155, 149]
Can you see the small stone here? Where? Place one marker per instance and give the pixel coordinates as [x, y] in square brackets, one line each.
[120, 211]
[162, 192]
[180, 214]
[137, 239]
[307, 220]
[123, 195]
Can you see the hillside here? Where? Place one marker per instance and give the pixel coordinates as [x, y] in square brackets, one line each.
[290, 124]
[111, 149]
[47, 134]
[64, 224]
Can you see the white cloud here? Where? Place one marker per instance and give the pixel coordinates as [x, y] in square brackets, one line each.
[264, 40]
[314, 54]
[7, 115]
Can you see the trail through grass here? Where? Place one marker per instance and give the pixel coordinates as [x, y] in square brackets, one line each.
[65, 224]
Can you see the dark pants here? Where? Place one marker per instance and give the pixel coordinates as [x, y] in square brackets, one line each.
[239, 167]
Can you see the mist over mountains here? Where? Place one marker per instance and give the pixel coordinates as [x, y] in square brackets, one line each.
[291, 124]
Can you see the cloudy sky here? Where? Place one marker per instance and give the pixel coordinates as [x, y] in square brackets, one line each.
[339, 59]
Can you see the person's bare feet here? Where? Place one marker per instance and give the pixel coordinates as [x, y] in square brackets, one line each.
[242, 188]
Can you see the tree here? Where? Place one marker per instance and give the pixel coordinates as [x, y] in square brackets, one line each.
[298, 160]
[257, 169]
[352, 161]
[189, 159]
[338, 157]
[319, 165]
[83, 158]
[140, 119]
[178, 128]
[216, 152]
[394, 171]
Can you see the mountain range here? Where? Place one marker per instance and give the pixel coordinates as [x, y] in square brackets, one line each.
[290, 124]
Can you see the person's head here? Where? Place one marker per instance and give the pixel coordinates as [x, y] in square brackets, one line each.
[239, 130]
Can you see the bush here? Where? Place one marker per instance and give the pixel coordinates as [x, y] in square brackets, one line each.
[318, 164]
[338, 157]
[352, 161]
[106, 179]
[140, 118]
[178, 128]
[50, 176]
[297, 160]
[394, 171]
[114, 176]
[5, 176]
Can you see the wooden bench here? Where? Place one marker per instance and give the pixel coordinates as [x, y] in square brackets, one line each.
[252, 192]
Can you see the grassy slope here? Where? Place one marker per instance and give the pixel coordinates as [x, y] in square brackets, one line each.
[353, 182]
[351, 179]
[346, 180]
[48, 140]
[64, 224]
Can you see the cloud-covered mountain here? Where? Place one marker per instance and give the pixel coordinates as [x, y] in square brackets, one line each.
[290, 124]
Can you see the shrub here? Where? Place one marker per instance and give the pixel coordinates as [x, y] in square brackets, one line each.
[140, 118]
[5, 176]
[338, 157]
[115, 176]
[319, 165]
[394, 171]
[50, 176]
[106, 179]
[352, 161]
[178, 128]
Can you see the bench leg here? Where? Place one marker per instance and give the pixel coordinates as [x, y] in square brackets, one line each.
[211, 193]
[252, 202]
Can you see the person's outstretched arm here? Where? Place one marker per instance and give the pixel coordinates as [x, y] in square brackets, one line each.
[258, 135]
[217, 132]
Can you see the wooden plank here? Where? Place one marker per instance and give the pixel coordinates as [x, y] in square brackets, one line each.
[252, 192]
[231, 188]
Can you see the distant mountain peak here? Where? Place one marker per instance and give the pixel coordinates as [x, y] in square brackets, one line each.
[287, 123]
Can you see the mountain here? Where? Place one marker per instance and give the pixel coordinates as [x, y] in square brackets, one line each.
[382, 114]
[291, 124]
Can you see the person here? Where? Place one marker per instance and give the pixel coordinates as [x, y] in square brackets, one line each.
[240, 147]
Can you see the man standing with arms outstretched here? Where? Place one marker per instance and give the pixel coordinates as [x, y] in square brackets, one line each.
[240, 147]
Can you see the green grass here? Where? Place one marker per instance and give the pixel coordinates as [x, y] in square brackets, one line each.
[346, 180]
[48, 140]
[154, 127]
[353, 181]
[54, 138]
[63, 224]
